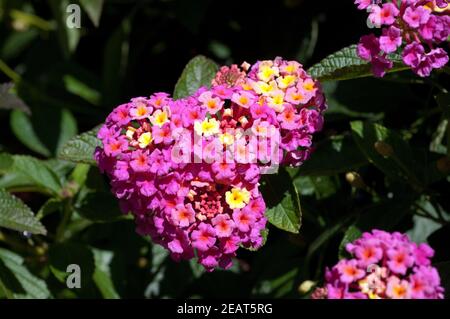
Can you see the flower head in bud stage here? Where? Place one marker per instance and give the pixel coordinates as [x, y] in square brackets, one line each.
[249, 119]
[413, 28]
[383, 266]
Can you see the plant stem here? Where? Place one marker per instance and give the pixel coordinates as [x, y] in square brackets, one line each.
[15, 243]
[9, 72]
[67, 215]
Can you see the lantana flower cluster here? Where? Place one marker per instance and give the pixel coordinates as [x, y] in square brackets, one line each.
[189, 169]
[384, 266]
[414, 28]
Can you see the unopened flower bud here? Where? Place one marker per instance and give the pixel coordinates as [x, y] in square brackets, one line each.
[245, 66]
[354, 179]
[228, 112]
[306, 286]
[243, 120]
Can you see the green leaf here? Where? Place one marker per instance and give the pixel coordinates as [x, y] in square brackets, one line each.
[424, 227]
[199, 72]
[351, 234]
[287, 214]
[102, 274]
[18, 279]
[26, 173]
[345, 64]
[24, 131]
[14, 214]
[17, 182]
[6, 161]
[68, 37]
[81, 89]
[115, 61]
[38, 172]
[37, 134]
[93, 9]
[16, 42]
[50, 206]
[7, 280]
[80, 149]
[387, 151]
[282, 200]
[436, 144]
[335, 155]
[321, 186]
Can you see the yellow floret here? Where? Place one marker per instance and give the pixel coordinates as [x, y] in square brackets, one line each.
[159, 118]
[207, 127]
[145, 139]
[237, 198]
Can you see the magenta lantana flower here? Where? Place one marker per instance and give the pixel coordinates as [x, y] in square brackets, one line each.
[383, 266]
[412, 28]
[189, 170]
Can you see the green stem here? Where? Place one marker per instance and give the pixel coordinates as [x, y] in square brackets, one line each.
[31, 19]
[67, 215]
[15, 244]
[13, 75]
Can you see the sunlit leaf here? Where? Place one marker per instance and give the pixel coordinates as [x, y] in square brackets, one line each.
[14, 214]
[198, 72]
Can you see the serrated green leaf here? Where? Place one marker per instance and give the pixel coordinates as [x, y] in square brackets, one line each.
[80, 149]
[286, 215]
[14, 214]
[345, 64]
[21, 282]
[199, 72]
[282, 200]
